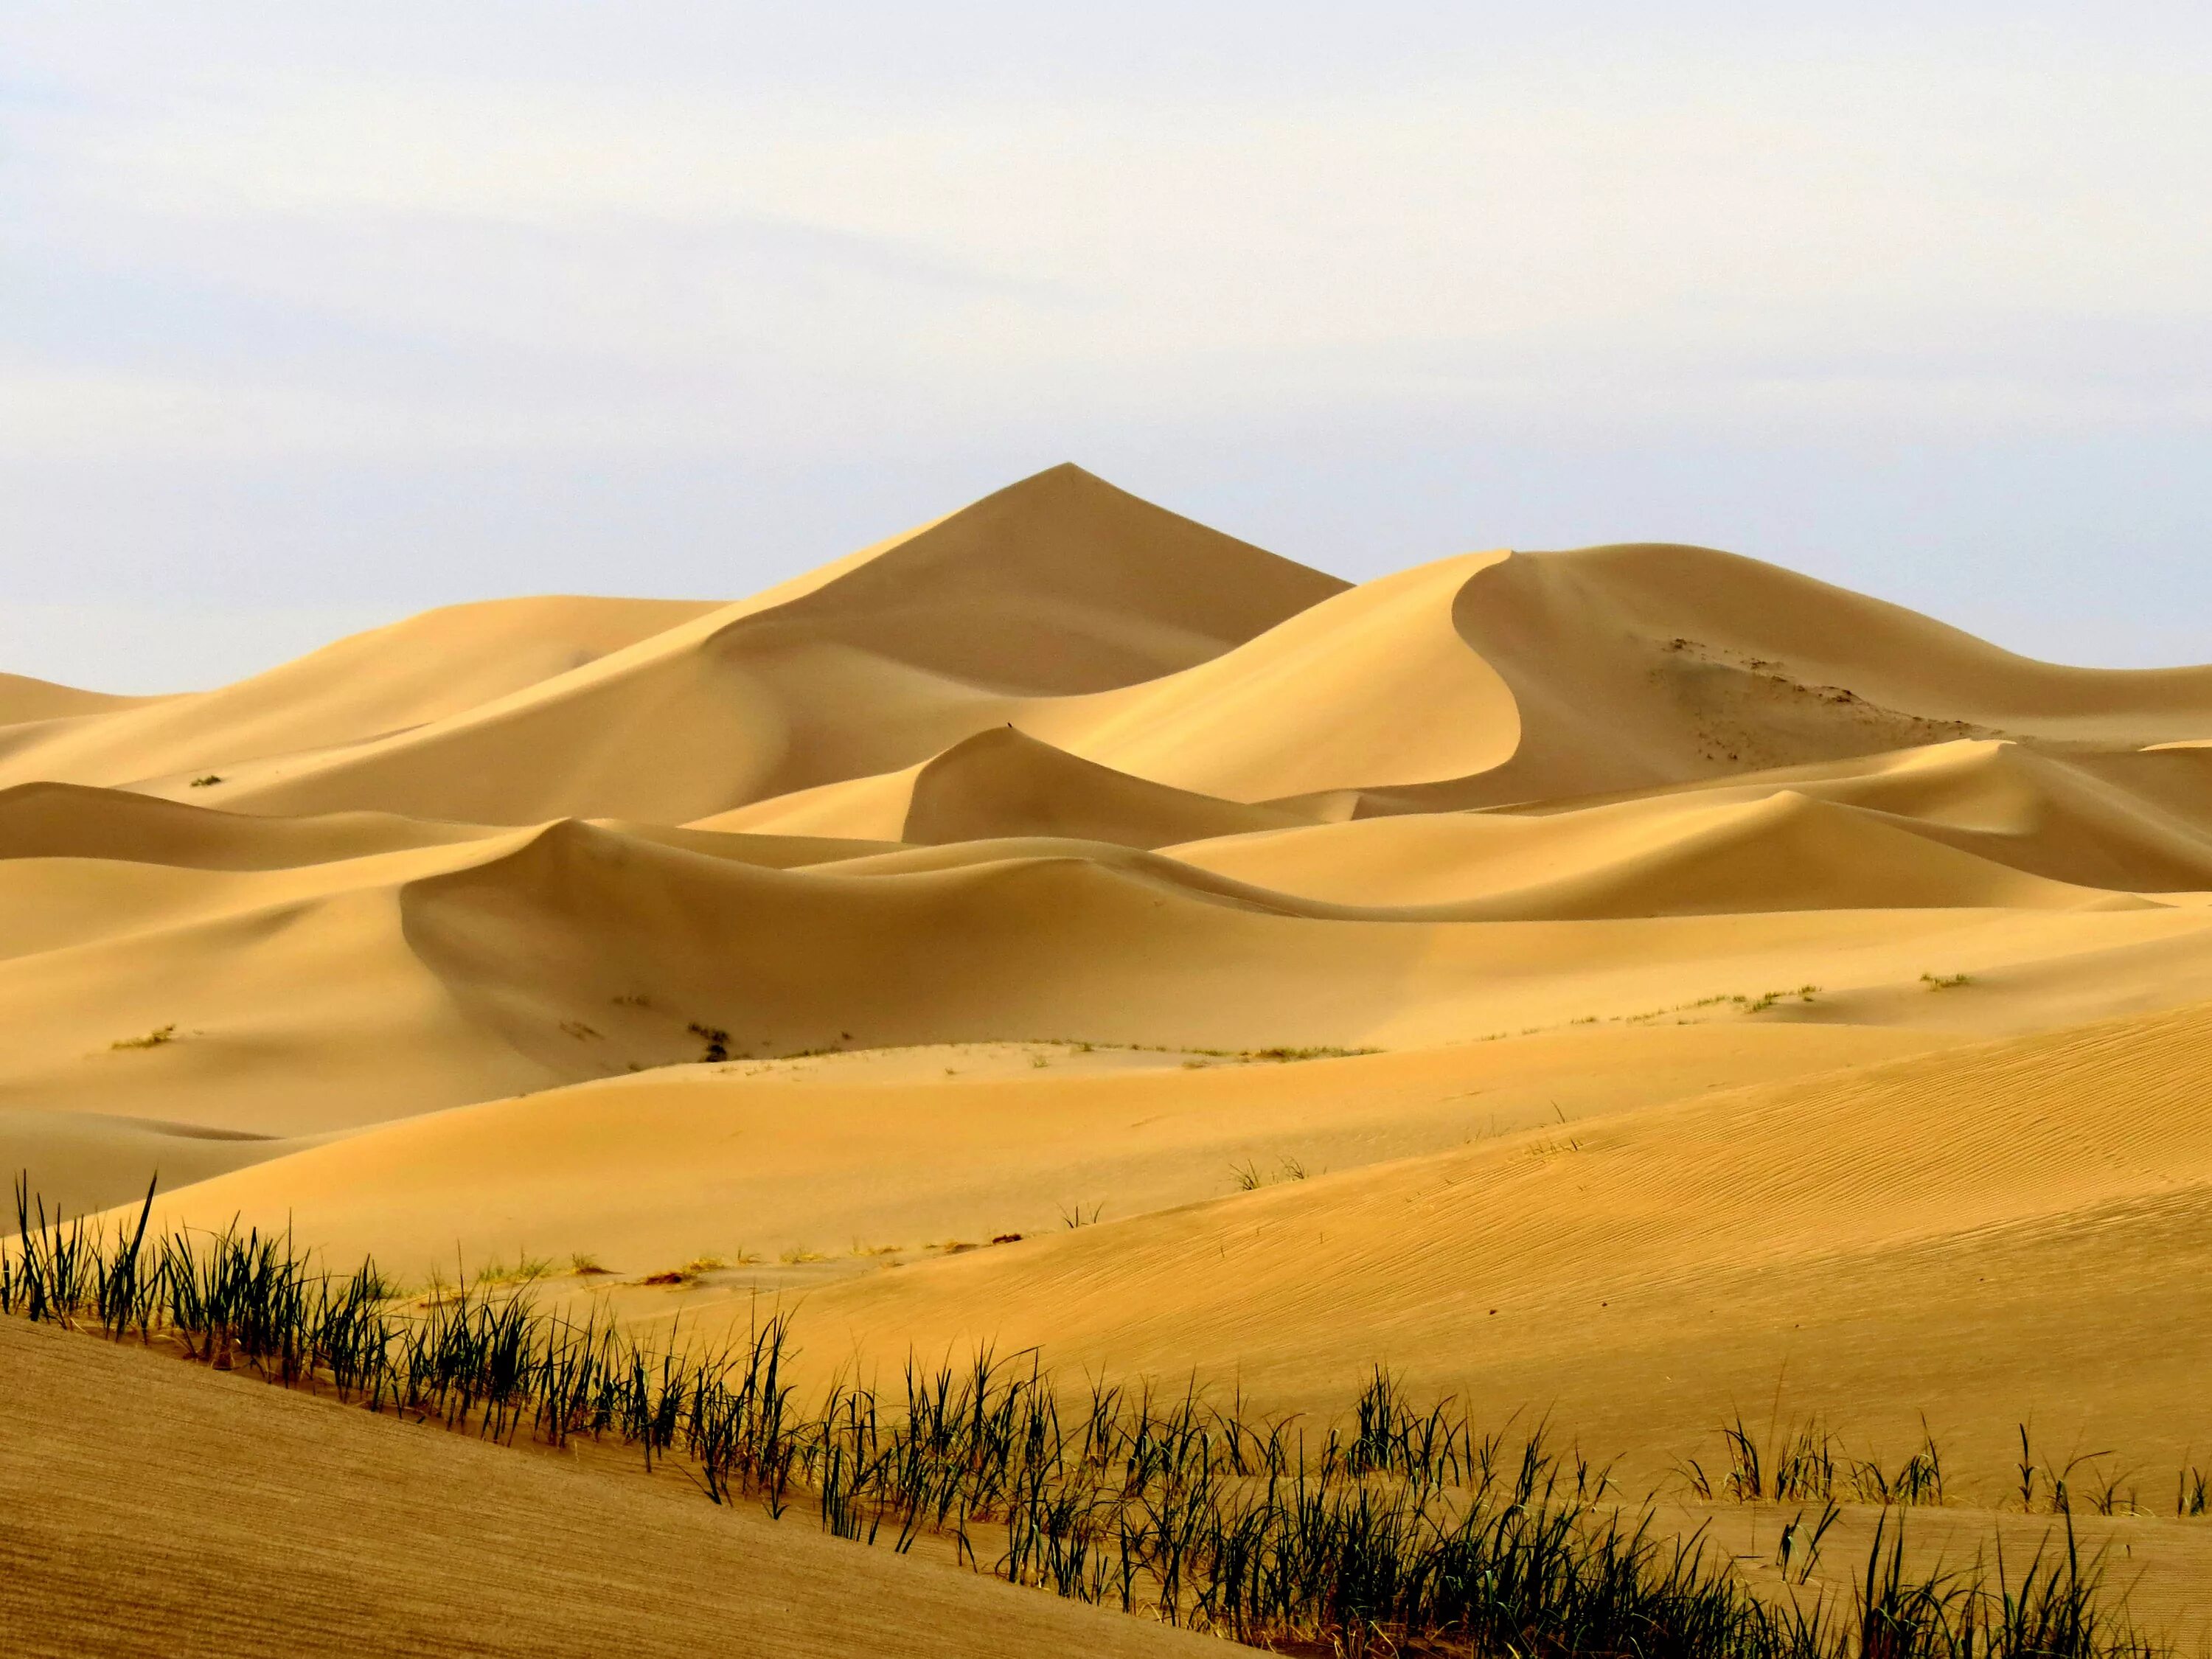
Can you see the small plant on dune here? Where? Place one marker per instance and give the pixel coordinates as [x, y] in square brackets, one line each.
[1946, 981]
[2193, 1490]
[798, 1255]
[2056, 1490]
[717, 1041]
[525, 1270]
[1072, 1216]
[1767, 998]
[1799, 1549]
[708, 1263]
[153, 1039]
[1918, 1480]
[206, 780]
[1250, 1179]
[584, 1266]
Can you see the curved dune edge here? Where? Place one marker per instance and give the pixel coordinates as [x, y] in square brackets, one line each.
[1002, 783]
[304, 998]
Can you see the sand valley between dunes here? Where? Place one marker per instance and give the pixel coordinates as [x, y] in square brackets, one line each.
[1625, 988]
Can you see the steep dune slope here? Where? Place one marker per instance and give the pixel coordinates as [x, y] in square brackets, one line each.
[1495, 678]
[1374, 686]
[1635, 665]
[160, 1509]
[1000, 783]
[1059, 584]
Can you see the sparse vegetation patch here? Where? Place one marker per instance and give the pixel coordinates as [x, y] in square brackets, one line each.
[153, 1039]
[1398, 1530]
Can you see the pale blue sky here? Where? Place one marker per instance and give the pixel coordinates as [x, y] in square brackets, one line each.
[311, 316]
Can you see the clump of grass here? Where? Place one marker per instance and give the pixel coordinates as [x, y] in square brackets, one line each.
[524, 1270]
[1808, 1464]
[583, 1266]
[206, 780]
[153, 1039]
[1250, 1178]
[1073, 1216]
[798, 1255]
[1766, 999]
[1946, 981]
[1918, 1479]
[2193, 1490]
[715, 1039]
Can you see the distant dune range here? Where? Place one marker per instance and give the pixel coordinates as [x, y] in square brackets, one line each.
[1712, 970]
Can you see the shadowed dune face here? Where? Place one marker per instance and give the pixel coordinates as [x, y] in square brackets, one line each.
[1708, 968]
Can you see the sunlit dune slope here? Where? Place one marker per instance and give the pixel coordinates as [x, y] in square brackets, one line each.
[1683, 855]
[963, 1143]
[1374, 686]
[2120, 818]
[24, 700]
[2012, 1232]
[1634, 665]
[71, 821]
[368, 687]
[1000, 783]
[1113, 631]
[159, 1508]
[1059, 584]
[226, 988]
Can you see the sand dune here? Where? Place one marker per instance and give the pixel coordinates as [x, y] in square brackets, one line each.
[1641, 665]
[309, 997]
[2009, 1231]
[24, 700]
[1678, 856]
[1002, 783]
[836, 1156]
[1060, 585]
[1710, 971]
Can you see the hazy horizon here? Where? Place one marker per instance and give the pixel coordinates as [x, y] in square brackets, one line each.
[317, 319]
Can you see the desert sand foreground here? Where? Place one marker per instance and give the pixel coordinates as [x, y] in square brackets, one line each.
[1623, 988]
